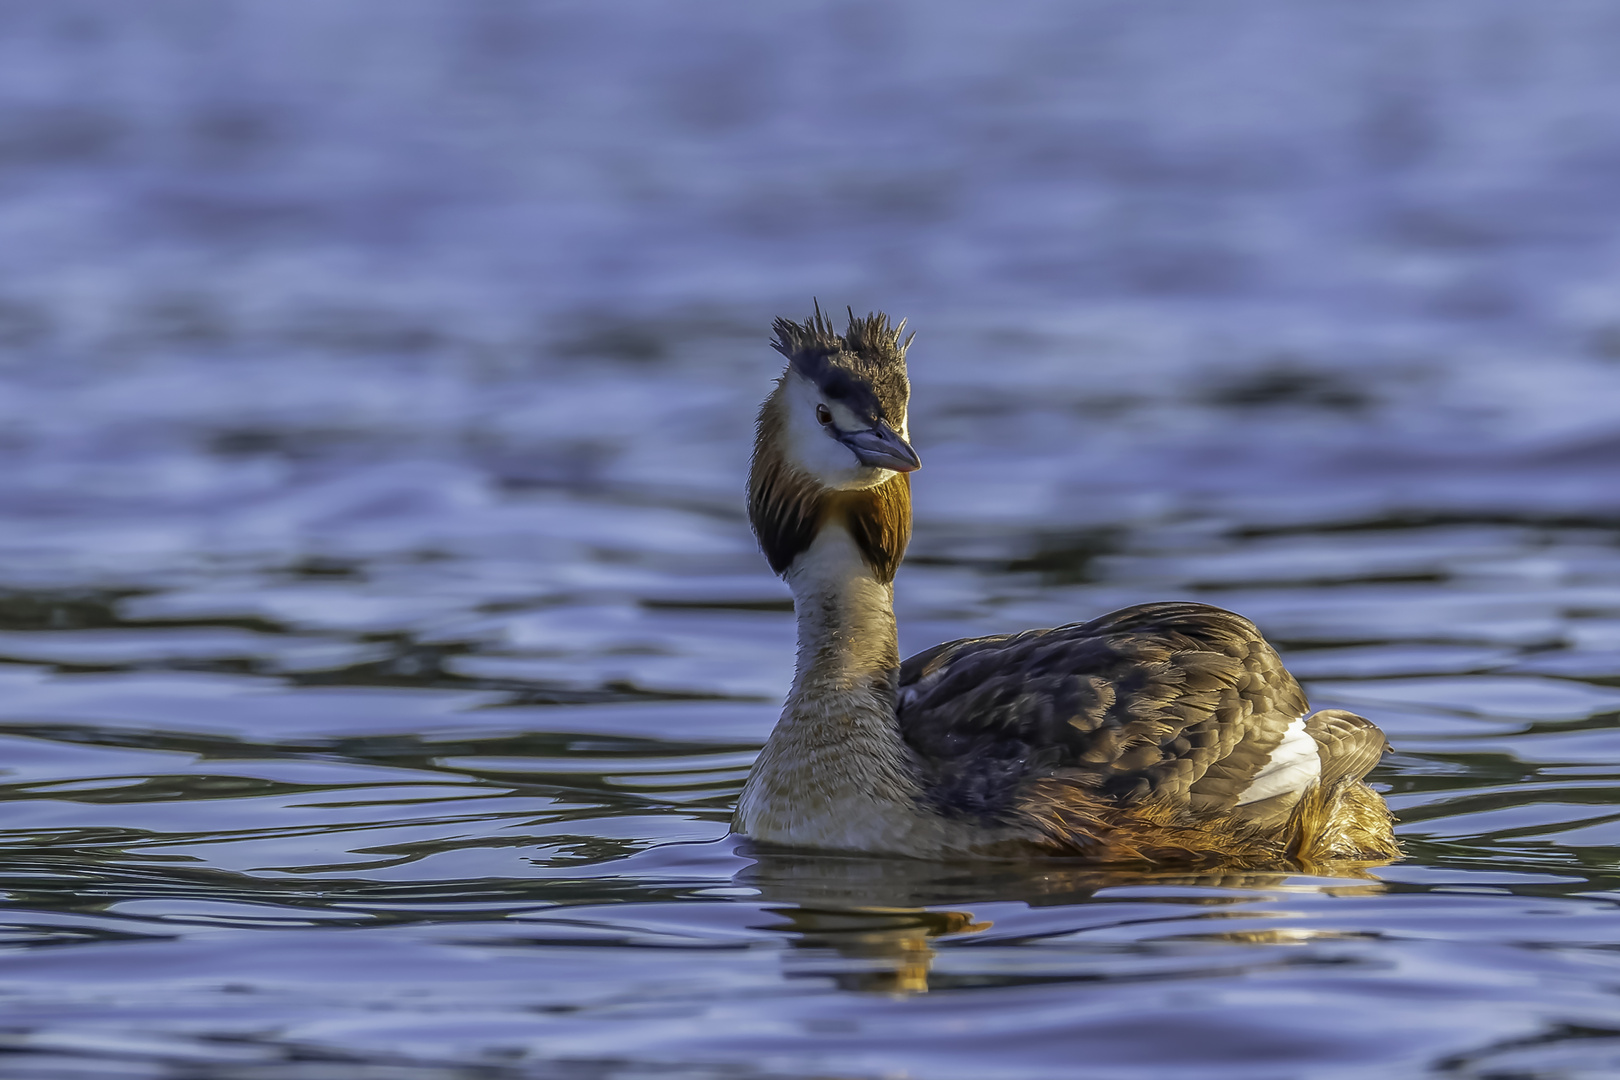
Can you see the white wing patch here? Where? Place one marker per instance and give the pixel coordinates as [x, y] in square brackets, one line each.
[1293, 766]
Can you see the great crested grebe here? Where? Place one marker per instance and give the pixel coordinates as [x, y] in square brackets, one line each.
[1161, 733]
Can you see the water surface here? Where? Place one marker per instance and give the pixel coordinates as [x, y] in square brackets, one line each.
[382, 644]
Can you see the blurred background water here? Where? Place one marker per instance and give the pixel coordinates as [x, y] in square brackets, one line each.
[381, 638]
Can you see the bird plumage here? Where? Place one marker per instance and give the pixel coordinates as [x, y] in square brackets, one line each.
[1161, 733]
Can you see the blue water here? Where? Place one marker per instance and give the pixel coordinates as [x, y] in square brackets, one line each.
[382, 644]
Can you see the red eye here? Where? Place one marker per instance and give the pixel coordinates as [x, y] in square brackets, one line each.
[824, 415]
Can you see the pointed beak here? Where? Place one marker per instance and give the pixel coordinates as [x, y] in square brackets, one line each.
[882, 447]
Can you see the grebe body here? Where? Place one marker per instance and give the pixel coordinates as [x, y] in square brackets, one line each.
[1161, 733]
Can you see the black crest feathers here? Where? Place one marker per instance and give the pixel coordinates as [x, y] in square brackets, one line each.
[865, 365]
[871, 338]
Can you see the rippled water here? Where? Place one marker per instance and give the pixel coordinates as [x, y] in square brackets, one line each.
[381, 638]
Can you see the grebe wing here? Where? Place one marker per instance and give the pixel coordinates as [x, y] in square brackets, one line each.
[1349, 745]
[1177, 702]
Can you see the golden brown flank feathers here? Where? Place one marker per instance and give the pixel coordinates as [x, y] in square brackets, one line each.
[788, 507]
[1330, 823]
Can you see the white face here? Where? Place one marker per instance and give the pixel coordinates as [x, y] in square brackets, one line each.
[812, 445]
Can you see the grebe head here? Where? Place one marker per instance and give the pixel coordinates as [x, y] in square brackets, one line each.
[831, 442]
[843, 400]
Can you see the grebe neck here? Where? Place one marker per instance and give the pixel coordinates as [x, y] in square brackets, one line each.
[847, 639]
[835, 772]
